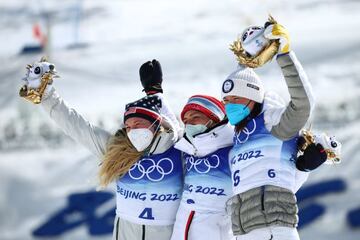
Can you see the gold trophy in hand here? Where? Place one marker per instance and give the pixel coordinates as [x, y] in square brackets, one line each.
[38, 76]
[252, 49]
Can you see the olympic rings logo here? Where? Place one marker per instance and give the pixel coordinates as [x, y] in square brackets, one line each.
[202, 165]
[244, 134]
[154, 171]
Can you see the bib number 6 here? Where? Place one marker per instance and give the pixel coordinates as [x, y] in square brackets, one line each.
[271, 173]
[236, 178]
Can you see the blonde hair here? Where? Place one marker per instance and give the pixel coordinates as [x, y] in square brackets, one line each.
[119, 157]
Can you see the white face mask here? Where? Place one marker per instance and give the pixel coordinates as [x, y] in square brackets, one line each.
[141, 138]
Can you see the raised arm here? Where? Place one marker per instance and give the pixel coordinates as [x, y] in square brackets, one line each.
[151, 78]
[74, 125]
[38, 88]
[292, 118]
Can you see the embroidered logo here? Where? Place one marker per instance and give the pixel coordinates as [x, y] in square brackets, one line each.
[228, 85]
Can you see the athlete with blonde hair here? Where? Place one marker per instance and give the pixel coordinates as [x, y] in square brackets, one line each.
[140, 157]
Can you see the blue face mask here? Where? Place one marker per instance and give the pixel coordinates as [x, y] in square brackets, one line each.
[236, 112]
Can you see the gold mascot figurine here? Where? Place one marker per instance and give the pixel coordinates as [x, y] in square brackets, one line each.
[39, 75]
[332, 147]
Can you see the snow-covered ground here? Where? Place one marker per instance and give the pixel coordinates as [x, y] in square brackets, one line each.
[40, 167]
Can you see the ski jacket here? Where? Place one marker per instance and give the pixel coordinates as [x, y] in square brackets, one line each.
[94, 138]
[264, 152]
[152, 184]
[285, 121]
[262, 160]
[207, 181]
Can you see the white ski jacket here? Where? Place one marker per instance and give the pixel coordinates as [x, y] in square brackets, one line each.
[264, 151]
[152, 184]
[207, 180]
[206, 143]
[95, 138]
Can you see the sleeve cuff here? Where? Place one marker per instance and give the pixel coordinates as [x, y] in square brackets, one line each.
[285, 59]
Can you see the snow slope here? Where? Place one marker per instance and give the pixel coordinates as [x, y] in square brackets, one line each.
[40, 167]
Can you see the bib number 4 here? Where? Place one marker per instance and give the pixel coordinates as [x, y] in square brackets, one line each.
[146, 214]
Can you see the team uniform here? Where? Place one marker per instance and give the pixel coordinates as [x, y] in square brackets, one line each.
[148, 196]
[152, 180]
[207, 186]
[258, 162]
[153, 184]
[258, 158]
[263, 159]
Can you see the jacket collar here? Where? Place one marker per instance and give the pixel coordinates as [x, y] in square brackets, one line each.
[208, 142]
[162, 142]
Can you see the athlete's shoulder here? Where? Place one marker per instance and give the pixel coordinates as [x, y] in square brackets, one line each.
[225, 150]
[273, 108]
[172, 151]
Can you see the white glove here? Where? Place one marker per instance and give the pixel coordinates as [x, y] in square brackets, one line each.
[329, 143]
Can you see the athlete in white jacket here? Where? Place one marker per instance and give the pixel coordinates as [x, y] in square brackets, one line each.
[207, 181]
[140, 158]
[263, 159]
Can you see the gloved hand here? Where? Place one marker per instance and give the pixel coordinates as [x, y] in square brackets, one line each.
[329, 144]
[277, 31]
[151, 77]
[38, 81]
[314, 155]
